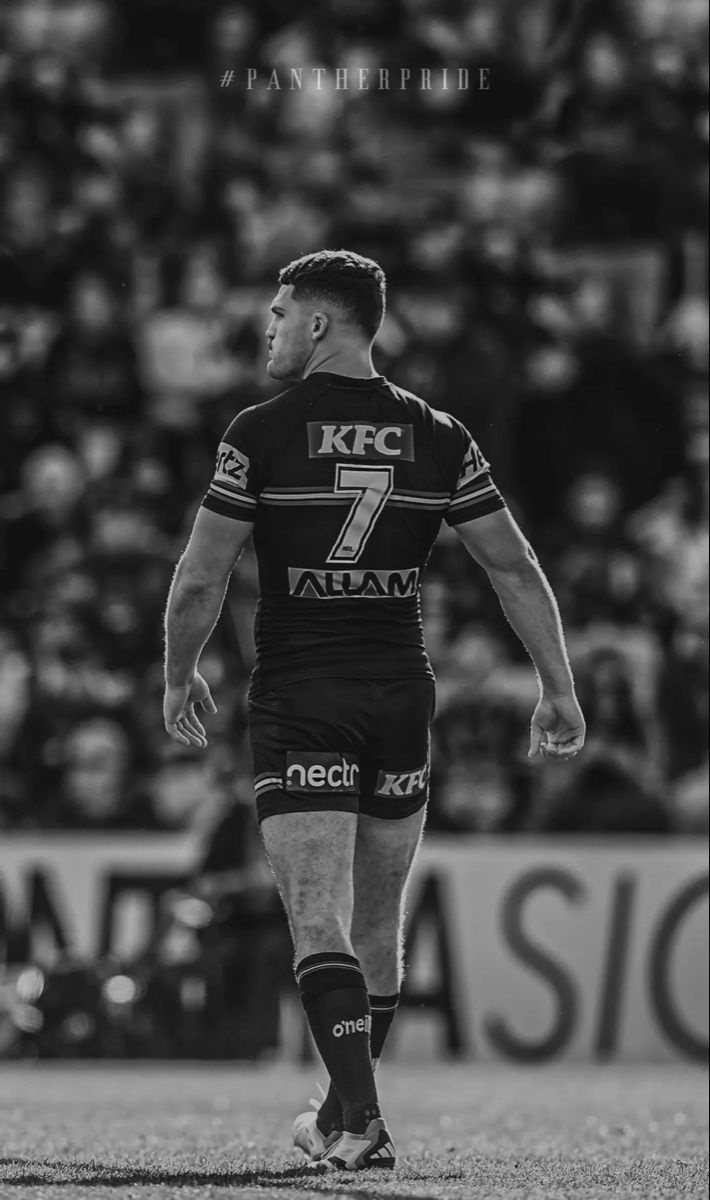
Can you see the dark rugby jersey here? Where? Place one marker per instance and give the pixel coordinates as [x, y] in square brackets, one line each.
[346, 481]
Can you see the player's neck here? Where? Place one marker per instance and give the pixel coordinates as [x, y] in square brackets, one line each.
[355, 363]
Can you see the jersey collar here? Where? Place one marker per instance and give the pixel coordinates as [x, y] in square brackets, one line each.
[348, 381]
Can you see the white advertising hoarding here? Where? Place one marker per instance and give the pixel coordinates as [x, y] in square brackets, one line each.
[520, 950]
[577, 950]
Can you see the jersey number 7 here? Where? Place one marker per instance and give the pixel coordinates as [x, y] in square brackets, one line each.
[370, 487]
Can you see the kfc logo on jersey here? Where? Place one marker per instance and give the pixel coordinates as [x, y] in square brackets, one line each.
[232, 465]
[361, 441]
[404, 783]
[315, 774]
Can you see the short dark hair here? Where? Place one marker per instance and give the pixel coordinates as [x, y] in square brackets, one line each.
[356, 284]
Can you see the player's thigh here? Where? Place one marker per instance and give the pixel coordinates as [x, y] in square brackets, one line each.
[311, 855]
[385, 851]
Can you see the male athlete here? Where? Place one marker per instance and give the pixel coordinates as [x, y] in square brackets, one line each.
[344, 479]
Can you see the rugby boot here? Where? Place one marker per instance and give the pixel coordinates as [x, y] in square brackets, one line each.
[361, 1151]
[308, 1137]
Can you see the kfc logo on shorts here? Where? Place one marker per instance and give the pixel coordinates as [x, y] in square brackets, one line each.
[232, 465]
[402, 783]
[317, 774]
[365, 442]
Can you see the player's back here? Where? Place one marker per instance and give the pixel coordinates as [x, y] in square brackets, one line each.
[347, 481]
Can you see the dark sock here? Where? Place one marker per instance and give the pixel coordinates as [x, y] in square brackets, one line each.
[383, 1010]
[334, 997]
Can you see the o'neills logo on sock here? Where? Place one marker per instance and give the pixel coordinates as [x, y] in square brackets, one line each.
[316, 774]
[361, 1025]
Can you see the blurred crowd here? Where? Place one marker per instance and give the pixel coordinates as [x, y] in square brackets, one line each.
[545, 247]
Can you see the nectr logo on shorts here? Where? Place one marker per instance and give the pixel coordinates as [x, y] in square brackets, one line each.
[368, 442]
[316, 774]
[361, 1025]
[404, 783]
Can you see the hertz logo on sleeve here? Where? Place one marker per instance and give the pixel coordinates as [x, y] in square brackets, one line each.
[367, 443]
[232, 465]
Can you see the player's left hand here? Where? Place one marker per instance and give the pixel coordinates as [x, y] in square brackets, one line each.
[181, 721]
[557, 729]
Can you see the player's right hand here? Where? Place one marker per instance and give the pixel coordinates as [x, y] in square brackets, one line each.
[557, 729]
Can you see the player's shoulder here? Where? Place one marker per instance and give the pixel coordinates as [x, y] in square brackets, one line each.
[441, 424]
[446, 425]
[416, 405]
[259, 418]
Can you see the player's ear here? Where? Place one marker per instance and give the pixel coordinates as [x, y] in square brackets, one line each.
[319, 326]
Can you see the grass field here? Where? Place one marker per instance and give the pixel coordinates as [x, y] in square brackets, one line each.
[463, 1133]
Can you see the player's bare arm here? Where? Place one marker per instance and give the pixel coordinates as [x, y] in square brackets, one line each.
[496, 542]
[194, 604]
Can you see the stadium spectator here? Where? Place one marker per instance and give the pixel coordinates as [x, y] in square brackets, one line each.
[91, 369]
[545, 245]
[606, 798]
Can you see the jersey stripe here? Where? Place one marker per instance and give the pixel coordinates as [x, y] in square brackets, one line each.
[418, 502]
[233, 508]
[304, 498]
[481, 507]
[295, 491]
[274, 492]
[230, 497]
[427, 495]
[473, 499]
[433, 500]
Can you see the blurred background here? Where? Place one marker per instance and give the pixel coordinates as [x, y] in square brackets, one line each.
[546, 250]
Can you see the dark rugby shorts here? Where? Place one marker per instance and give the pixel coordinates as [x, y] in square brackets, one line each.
[342, 745]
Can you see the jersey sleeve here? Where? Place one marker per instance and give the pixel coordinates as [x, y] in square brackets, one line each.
[474, 493]
[234, 490]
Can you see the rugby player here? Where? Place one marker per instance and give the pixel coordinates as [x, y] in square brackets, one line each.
[344, 479]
